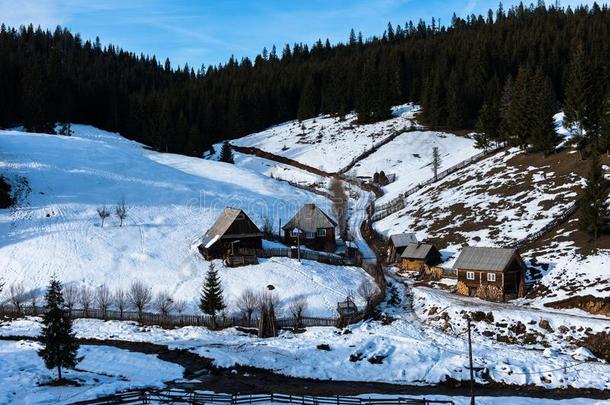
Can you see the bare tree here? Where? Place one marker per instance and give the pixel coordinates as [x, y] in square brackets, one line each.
[103, 299]
[436, 161]
[2, 283]
[367, 291]
[17, 296]
[70, 297]
[33, 297]
[339, 200]
[179, 306]
[85, 299]
[164, 304]
[297, 308]
[247, 303]
[140, 296]
[103, 214]
[121, 299]
[121, 211]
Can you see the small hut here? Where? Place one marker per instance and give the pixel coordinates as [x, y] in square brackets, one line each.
[416, 256]
[232, 230]
[397, 245]
[490, 273]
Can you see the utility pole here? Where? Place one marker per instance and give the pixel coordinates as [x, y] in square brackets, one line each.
[471, 367]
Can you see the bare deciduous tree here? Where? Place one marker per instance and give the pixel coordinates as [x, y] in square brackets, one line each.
[164, 303]
[121, 211]
[179, 306]
[297, 308]
[103, 299]
[339, 199]
[367, 291]
[247, 303]
[17, 296]
[103, 213]
[85, 299]
[70, 297]
[121, 299]
[33, 297]
[140, 296]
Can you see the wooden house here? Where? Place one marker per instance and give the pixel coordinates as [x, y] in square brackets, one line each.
[490, 273]
[232, 230]
[416, 256]
[397, 244]
[311, 227]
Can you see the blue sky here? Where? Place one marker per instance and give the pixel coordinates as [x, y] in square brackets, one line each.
[209, 32]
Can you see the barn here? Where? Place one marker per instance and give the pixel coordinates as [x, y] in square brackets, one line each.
[397, 244]
[416, 256]
[311, 227]
[490, 273]
[232, 230]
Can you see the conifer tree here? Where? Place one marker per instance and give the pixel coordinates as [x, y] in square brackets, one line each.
[226, 153]
[57, 338]
[520, 117]
[593, 206]
[542, 135]
[211, 301]
[576, 92]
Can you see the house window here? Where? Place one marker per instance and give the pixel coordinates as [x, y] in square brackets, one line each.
[295, 233]
[310, 235]
[491, 276]
[470, 275]
[322, 232]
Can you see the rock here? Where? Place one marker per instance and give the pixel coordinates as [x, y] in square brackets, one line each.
[544, 324]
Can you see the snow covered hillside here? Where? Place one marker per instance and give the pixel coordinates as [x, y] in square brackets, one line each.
[409, 157]
[495, 202]
[328, 143]
[172, 200]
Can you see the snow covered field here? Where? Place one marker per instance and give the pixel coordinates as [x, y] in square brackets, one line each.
[103, 371]
[409, 157]
[401, 350]
[328, 143]
[172, 200]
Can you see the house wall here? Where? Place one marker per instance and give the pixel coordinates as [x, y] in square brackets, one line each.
[223, 246]
[480, 278]
[324, 243]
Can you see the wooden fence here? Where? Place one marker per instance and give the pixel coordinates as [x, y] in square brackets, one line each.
[398, 203]
[194, 397]
[305, 254]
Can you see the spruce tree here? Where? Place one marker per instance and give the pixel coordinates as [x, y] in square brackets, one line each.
[542, 135]
[58, 340]
[593, 206]
[211, 301]
[226, 153]
[520, 117]
[576, 92]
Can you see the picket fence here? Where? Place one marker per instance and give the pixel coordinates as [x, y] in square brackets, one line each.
[194, 397]
[398, 203]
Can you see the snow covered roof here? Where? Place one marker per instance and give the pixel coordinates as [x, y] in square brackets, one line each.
[484, 258]
[417, 251]
[224, 222]
[309, 219]
[403, 239]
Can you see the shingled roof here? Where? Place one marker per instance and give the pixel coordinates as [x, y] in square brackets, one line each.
[484, 258]
[309, 219]
[223, 224]
[403, 239]
[416, 251]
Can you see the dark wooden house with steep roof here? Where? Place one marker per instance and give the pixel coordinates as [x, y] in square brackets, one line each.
[232, 230]
[311, 227]
[491, 273]
[416, 256]
[397, 244]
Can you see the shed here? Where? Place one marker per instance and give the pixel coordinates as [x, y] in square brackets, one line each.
[232, 230]
[311, 227]
[397, 244]
[416, 256]
[491, 273]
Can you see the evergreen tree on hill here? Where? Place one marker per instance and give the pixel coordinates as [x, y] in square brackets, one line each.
[576, 95]
[226, 153]
[543, 137]
[57, 338]
[211, 301]
[593, 206]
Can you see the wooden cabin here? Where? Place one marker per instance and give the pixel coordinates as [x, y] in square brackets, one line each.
[232, 230]
[397, 245]
[495, 274]
[311, 227]
[416, 256]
